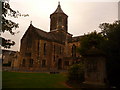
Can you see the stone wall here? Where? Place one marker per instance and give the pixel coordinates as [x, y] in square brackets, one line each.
[95, 68]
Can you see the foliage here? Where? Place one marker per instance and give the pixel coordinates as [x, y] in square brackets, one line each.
[32, 80]
[7, 43]
[112, 48]
[8, 25]
[76, 73]
[107, 41]
[90, 40]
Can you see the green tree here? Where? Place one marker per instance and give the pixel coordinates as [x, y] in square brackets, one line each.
[107, 41]
[112, 48]
[90, 40]
[76, 73]
[8, 25]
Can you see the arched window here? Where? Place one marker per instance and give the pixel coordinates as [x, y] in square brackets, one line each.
[38, 48]
[43, 63]
[44, 48]
[31, 63]
[54, 52]
[73, 51]
[23, 63]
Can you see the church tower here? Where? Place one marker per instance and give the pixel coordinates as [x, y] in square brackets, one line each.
[58, 20]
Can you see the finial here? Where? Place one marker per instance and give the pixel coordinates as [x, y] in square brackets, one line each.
[58, 2]
[31, 22]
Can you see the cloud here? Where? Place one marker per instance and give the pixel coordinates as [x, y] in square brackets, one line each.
[83, 17]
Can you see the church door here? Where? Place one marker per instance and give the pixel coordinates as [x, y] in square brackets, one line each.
[59, 64]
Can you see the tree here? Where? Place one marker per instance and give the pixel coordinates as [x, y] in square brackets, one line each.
[107, 41]
[112, 48]
[8, 25]
[90, 40]
[76, 73]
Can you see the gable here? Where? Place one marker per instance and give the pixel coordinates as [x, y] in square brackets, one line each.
[29, 34]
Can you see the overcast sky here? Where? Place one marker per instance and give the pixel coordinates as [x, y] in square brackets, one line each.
[83, 16]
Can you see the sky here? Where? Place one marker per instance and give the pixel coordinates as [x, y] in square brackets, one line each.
[84, 16]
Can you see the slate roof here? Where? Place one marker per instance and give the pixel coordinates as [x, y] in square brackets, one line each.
[51, 36]
[76, 39]
[10, 52]
[42, 33]
[59, 10]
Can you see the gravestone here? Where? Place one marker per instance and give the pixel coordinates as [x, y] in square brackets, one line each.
[95, 67]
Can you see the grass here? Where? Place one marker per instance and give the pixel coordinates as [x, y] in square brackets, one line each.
[33, 80]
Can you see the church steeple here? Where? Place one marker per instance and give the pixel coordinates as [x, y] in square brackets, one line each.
[59, 3]
[58, 19]
[59, 10]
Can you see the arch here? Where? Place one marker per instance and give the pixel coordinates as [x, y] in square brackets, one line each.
[31, 63]
[23, 62]
[73, 50]
[43, 63]
[44, 48]
[59, 64]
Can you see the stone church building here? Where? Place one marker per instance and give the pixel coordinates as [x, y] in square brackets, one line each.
[57, 50]
[54, 50]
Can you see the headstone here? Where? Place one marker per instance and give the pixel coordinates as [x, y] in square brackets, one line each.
[95, 68]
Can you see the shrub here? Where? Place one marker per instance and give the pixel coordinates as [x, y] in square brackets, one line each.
[76, 73]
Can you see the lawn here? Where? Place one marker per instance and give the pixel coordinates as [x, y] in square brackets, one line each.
[33, 80]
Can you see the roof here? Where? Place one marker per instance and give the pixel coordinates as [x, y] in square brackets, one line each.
[41, 33]
[51, 36]
[76, 39]
[59, 10]
[10, 52]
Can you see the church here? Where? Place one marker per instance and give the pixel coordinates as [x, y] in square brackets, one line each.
[56, 51]
[47, 51]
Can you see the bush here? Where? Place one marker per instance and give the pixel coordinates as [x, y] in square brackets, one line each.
[76, 73]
